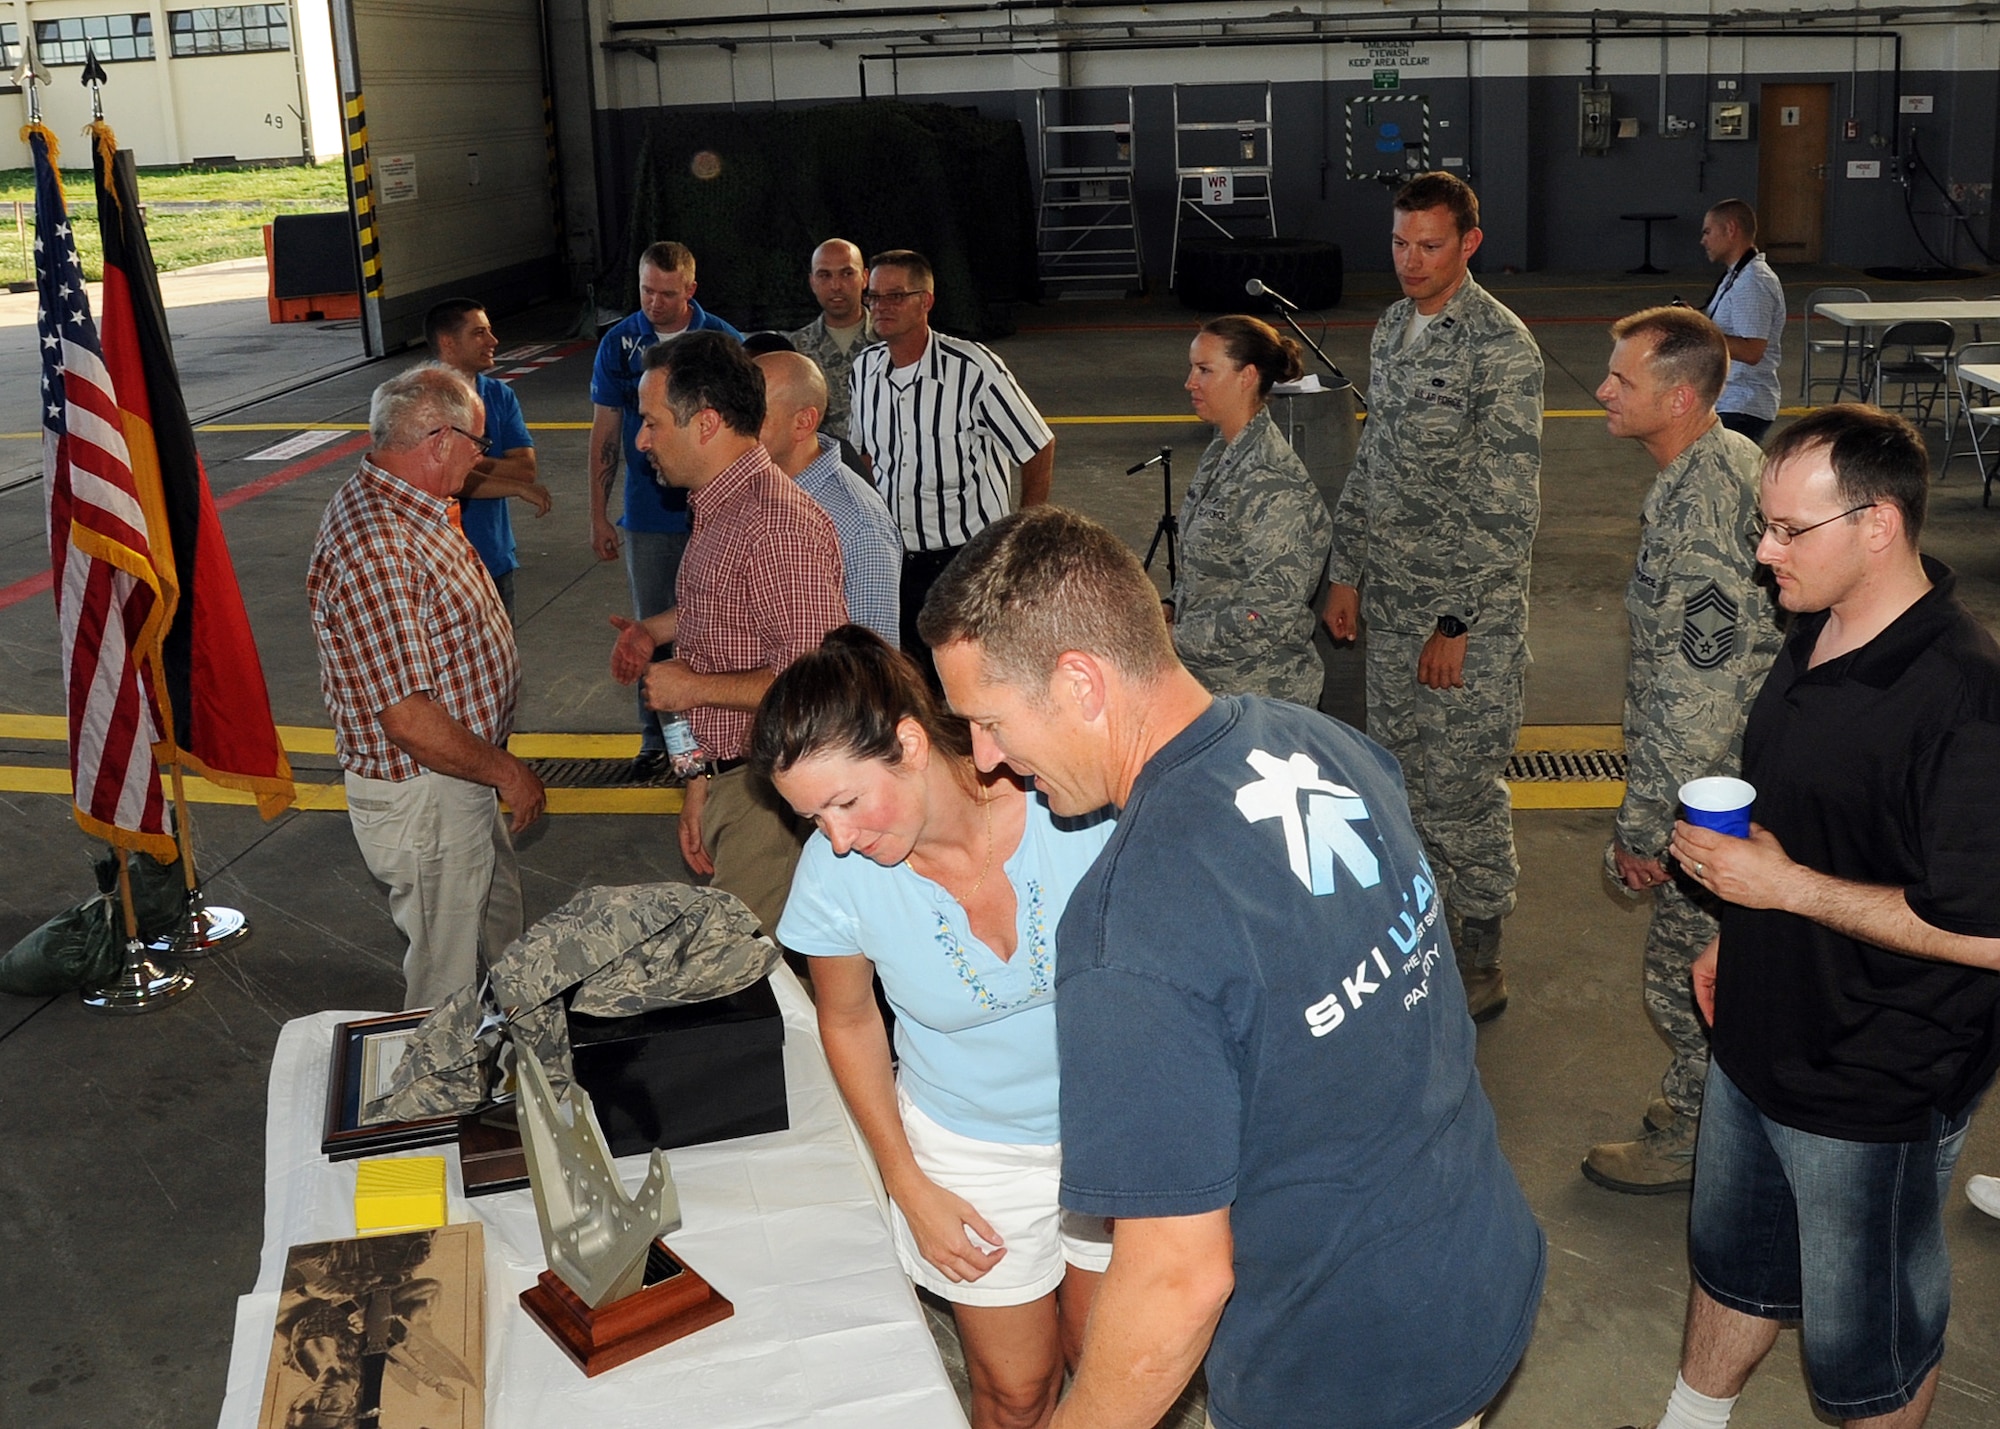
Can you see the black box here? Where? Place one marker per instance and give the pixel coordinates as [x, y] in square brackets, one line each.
[685, 1075]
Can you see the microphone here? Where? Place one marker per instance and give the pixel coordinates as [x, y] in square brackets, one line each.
[1258, 288]
[1166, 454]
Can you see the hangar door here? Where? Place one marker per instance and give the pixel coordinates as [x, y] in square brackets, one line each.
[448, 156]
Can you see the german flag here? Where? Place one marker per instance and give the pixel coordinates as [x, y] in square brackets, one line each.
[209, 684]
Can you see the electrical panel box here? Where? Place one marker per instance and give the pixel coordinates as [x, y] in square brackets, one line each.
[1729, 119]
[1594, 124]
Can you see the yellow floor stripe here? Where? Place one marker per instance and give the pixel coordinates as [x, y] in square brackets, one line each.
[22, 779]
[315, 795]
[1563, 737]
[1144, 419]
[1605, 795]
[314, 739]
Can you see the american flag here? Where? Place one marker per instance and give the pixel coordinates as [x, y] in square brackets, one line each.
[107, 591]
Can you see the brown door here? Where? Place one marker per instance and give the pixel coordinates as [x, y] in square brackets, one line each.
[1793, 142]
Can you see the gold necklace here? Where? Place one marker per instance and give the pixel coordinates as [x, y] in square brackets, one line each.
[985, 803]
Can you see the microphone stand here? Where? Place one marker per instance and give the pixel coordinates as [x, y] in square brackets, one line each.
[1169, 525]
[1284, 309]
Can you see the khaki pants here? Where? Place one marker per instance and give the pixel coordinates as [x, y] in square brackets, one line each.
[755, 841]
[442, 846]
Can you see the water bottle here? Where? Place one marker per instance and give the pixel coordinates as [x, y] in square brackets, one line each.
[684, 753]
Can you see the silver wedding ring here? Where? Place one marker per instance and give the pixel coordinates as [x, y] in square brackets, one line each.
[1701, 870]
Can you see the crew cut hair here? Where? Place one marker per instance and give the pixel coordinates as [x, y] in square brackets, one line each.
[447, 319]
[413, 404]
[1688, 348]
[848, 697]
[1736, 211]
[710, 370]
[911, 262]
[669, 257]
[1876, 456]
[1041, 582]
[1438, 189]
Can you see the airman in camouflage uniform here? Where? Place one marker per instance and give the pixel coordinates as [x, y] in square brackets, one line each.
[1434, 527]
[1704, 632]
[837, 276]
[1253, 528]
[625, 951]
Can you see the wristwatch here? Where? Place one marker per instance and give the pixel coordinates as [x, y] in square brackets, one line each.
[1450, 626]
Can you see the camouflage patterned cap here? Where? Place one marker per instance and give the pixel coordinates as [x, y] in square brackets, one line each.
[623, 950]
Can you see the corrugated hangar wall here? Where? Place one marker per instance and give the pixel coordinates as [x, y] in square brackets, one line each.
[1501, 86]
[449, 156]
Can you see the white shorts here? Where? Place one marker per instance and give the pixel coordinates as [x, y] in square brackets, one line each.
[1015, 1188]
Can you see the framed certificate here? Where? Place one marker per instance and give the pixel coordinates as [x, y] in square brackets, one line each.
[365, 1056]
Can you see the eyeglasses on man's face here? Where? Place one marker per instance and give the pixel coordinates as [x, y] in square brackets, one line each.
[484, 444]
[889, 300]
[1784, 535]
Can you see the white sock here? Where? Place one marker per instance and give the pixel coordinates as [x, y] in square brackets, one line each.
[1689, 1408]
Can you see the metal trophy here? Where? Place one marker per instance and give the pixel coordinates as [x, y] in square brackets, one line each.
[613, 1291]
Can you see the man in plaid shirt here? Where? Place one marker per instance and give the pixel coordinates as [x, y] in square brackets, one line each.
[419, 671]
[759, 586]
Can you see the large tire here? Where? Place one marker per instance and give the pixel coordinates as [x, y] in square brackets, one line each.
[1212, 272]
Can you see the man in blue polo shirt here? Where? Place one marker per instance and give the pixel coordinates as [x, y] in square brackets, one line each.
[1266, 1059]
[655, 519]
[461, 337]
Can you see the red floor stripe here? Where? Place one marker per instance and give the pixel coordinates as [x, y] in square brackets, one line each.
[34, 585]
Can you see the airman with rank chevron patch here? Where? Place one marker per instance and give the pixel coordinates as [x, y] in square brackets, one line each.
[1704, 632]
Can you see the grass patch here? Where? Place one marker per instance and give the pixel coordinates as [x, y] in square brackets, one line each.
[237, 205]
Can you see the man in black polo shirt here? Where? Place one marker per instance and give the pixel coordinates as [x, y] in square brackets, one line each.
[1854, 991]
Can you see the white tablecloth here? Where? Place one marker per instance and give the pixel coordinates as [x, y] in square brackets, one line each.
[788, 1226]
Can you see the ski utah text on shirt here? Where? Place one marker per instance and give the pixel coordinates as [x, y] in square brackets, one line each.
[1315, 840]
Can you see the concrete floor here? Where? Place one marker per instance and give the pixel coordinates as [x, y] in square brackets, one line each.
[131, 1182]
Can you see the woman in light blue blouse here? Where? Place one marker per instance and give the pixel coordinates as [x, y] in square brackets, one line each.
[948, 883]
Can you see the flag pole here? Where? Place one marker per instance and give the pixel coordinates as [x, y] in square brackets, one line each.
[144, 984]
[206, 927]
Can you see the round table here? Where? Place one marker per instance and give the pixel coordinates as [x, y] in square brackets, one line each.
[1649, 219]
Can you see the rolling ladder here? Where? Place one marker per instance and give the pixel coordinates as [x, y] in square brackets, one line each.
[1222, 170]
[1087, 240]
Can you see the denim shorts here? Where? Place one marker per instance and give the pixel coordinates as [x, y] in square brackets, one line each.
[1846, 1237]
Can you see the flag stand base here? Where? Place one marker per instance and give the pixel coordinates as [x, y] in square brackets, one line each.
[208, 929]
[142, 985]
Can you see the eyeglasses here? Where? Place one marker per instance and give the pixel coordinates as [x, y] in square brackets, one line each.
[888, 300]
[1784, 535]
[485, 444]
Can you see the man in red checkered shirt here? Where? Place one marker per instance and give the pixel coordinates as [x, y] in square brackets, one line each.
[418, 667]
[759, 586]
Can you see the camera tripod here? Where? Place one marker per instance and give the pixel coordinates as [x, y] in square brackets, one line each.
[1169, 527]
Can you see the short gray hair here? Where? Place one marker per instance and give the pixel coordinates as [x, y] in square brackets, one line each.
[413, 404]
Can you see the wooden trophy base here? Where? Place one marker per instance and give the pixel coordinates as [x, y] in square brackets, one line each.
[674, 1302]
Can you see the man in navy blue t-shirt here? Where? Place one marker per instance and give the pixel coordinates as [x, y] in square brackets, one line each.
[655, 519]
[1267, 1066]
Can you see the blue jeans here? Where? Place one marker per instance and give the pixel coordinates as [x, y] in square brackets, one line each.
[1845, 1236]
[652, 570]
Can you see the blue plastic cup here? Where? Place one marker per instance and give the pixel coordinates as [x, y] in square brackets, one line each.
[1719, 803]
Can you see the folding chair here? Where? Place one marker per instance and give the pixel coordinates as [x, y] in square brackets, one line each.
[1850, 346]
[1915, 356]
[1977, 412]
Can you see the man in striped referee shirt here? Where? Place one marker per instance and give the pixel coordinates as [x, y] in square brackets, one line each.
[939, 421]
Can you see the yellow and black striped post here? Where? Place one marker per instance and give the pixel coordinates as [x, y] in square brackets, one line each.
[362, 182]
